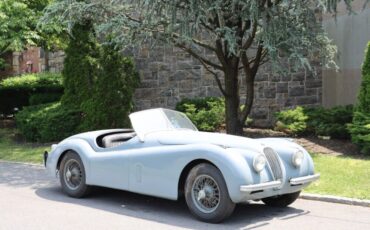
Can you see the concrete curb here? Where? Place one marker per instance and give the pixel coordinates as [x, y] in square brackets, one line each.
[335, 199]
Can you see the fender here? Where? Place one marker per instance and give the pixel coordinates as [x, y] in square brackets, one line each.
[81, 147]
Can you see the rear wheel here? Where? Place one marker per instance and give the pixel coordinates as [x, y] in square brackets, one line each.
[282, 200]
[206, 194]
[72, 175]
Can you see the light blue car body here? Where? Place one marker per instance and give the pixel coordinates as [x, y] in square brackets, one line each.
[157, 164]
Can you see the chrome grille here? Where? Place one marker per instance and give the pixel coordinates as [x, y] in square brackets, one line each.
[273, 160]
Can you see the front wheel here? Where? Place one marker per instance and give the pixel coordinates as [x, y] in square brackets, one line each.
[72, 175]
[282, 200]
[206, 194]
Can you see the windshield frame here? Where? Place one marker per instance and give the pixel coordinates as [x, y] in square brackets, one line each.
[155, 120]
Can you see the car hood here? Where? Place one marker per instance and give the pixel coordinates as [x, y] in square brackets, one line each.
[223, 140]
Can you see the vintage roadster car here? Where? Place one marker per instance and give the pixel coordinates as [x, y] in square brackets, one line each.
[166, 156]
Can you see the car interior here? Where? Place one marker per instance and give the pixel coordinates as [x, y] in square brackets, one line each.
[110, 140]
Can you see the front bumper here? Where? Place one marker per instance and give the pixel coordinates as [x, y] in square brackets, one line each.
[277, 184]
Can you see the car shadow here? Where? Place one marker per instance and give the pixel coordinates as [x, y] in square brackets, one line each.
[176, 213]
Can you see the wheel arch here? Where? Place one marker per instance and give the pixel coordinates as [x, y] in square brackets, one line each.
[185, 172]
[62, 156]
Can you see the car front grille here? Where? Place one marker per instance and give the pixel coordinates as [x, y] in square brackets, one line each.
[273, 160]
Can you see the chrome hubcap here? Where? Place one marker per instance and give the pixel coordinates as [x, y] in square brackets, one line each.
[72, 174]
[205, 194]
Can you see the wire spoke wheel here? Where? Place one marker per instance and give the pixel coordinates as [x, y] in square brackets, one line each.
[205, 194]
[72, 174]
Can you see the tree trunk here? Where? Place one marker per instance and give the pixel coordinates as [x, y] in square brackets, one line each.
[232, 101]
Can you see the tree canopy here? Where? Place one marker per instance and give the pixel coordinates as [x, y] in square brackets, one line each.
[240, 35]
[18, 25]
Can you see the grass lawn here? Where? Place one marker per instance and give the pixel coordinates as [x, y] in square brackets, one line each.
[341, 176]
[20, 151]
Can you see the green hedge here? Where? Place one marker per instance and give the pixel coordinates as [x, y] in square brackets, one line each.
[16, 92]
[316, 121]
[208, 114]
[48, 122]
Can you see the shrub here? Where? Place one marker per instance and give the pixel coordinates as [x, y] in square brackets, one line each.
[16, 92]
[330, 122]
[360, 128]
[111, 101]
[208, 114]
[293, 121]
[48, 122]
[80, 65]
[316, 121]
[44, 98]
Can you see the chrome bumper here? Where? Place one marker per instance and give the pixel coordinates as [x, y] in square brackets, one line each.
[262, 186]
[277, 184]
[304, 179]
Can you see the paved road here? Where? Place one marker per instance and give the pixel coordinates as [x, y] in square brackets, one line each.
[31, 200]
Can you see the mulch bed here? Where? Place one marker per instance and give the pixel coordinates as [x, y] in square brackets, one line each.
[312, 144]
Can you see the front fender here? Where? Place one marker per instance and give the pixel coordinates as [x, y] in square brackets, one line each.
[234, 164]
[80, 146]
[285, 148]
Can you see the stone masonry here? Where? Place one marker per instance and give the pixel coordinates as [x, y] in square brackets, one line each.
[168, 75]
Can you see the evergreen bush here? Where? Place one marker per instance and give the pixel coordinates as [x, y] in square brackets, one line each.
[360, 127]
[111, 102]
[47, 122]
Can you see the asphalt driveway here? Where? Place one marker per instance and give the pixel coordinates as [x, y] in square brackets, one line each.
[29, 199]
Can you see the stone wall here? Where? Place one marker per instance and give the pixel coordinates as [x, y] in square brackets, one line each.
[168, 75]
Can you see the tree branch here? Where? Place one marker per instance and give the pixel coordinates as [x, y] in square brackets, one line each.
[216, 78]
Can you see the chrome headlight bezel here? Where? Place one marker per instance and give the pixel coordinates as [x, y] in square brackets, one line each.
[259, 162]
[297, 158]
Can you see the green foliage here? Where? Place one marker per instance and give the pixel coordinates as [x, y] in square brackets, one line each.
[16, 92]
[289, 27]
[18, 25]
[292, 121]
[33, 81]
[80, 65]
[44, 98]
[111, 101]
[48, 122]
[316, 121]
[208, 114]
[360, 129]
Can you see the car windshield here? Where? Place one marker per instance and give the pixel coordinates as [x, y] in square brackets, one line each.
[153, 120]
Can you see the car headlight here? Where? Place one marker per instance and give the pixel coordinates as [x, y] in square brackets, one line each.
[259, 162]
[297, 158]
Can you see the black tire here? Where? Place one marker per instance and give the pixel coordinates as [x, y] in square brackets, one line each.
[215, 190]
[73, 182]
[282, 200]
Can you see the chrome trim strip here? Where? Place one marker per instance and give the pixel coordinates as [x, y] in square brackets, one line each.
[304, 179]
[261, 186]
